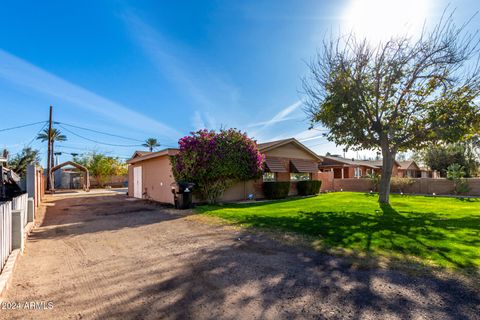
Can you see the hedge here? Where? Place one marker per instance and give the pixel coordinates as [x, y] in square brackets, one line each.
[308, 187]
[276, 189]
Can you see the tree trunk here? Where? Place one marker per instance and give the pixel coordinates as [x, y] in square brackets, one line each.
[387, 168]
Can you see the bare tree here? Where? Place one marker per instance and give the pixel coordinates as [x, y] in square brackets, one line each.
[399, 95]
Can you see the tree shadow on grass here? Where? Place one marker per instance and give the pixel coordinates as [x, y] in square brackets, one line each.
[430, 237]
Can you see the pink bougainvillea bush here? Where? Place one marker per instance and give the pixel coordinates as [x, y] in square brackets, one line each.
[216, 160]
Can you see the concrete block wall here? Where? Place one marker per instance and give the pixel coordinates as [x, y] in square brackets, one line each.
[418, 186]
[18, 225]
[352, 184]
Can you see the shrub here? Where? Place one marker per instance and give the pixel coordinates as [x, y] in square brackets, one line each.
[374, 180]
[309, 187]
[276, 189]
[399, 184]
[456, 173]
[214, 161]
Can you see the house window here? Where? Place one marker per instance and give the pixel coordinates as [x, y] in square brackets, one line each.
[358, 172]
[300, 176]
[269, 176]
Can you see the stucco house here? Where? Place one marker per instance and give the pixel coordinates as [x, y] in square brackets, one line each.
[150, 173]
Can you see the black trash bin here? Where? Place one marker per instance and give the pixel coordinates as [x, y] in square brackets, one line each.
[182, 193]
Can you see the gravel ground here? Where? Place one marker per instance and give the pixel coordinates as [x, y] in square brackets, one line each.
[110, 257]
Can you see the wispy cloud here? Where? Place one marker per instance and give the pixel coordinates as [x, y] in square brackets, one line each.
[285, 114]
[302, 136]
[197, 121]
[23, 73]
[281, 116]
[208, 90]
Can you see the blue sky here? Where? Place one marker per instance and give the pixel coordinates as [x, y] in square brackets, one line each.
[162, 69]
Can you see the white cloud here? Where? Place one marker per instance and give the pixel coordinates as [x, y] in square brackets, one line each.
[197, 121]
[23, 73]
[281, 116]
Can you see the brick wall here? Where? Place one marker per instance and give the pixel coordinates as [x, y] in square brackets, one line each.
[327, 180]
[353, 184]
[419, 186]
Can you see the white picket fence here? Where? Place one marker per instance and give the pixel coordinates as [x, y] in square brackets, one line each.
[5, 232]
[20, 203]
[17, 203]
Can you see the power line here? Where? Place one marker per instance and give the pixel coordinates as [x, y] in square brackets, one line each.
[97, 131]
[319, 144]
[22, 126]
[99, 142]
[35, 137]
[73, 148]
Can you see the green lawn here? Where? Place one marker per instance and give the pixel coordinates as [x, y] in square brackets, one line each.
[433, 230]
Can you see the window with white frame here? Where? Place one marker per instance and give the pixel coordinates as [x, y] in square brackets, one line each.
[357, 172]
[302, 176]
[269, 176]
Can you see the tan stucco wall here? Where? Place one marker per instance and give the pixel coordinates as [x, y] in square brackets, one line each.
[241, 190]
[157, 178]
[291, 151]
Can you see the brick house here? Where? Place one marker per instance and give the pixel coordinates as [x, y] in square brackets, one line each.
[344, 168]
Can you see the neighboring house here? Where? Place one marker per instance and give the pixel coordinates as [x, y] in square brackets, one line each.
[379, 165]
[426, 172]
[344, 168]
[9, 184]
[409, 169]
[150, 174]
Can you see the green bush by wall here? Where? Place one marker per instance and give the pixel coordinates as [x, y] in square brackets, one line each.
[276, 189]
[309, 187]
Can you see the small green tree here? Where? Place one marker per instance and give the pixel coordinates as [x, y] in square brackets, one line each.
[456, 173]
[20, 161]
[101, 167]
[216, 160]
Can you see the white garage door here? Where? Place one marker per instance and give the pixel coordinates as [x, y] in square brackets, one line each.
[137, 182]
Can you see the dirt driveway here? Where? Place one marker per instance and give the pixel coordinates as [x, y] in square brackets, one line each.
[110, 257]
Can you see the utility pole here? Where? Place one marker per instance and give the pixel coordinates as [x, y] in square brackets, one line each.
[49, 161]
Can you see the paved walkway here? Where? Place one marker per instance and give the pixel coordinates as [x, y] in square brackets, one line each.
[102, 257]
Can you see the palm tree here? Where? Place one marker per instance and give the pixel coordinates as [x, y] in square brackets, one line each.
[151, 143]
[55, 136]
